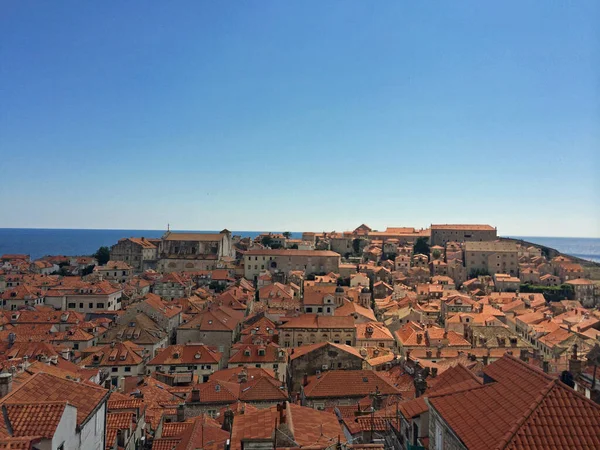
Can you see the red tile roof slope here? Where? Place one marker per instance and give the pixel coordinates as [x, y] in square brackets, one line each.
[43, 387]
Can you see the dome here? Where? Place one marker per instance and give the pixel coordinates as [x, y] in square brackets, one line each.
[339, 289]
[366, 290]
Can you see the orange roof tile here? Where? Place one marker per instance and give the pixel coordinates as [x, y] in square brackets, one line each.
[43, 387]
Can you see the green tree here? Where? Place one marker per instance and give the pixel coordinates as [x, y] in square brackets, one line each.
[102, 255]
[421, 246]
[287, 234]
[436, 254]
[356, 246]
[294, 246]
[87, 270]
[266, 240]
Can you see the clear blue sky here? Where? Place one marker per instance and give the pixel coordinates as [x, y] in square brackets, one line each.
[300, 115]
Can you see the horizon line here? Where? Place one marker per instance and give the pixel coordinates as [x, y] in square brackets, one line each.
[256, 231]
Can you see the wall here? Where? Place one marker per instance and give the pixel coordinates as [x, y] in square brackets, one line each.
[91, 436]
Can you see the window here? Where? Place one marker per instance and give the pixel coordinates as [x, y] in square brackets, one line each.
[100, 305]
[258, 366]
[347, 342]
[172, 368]
[75, 346]
[72, 305]
[61, 447]
[275, 366]
[114, 369]
[127, 369]
[81, 305]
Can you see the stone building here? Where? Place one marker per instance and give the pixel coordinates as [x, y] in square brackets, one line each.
[492, 257]
[179, 252]
[312, 328]
[315, 358]
[139, 253]
[441, 234]
[286, 260]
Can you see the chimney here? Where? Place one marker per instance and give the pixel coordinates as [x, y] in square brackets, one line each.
[180, 413]
[195, 396]
[546, 366]
[486, 360]
[438, 352]
[434, 371]
[243, 376]
[524, 355]
[227, 420]
[282, 415]
[419, 338]
[5, 384]
[305, 380]
[575, 364]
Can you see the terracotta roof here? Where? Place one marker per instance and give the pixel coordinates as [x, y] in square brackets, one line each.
[290, 252]
[43, 387]
[306, 349]
[162, 307]
[211, 237]
[373, 330]
[120, 420]
[33, 419]
[351, 308]
[221, 319]
[249, 353]
[186, 354]
[522, 408]
[308, 427]
[22, 443]
[320, 322]
[465, 227]
[348, 383]
[120, 354]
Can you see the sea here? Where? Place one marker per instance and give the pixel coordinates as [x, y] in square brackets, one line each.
[38, 242]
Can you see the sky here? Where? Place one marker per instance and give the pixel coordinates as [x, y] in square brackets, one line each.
[300, 115]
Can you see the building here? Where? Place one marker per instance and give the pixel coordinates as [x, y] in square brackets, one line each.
[586, 291]
[139, 253]
[286, 260]
[312, 328]
[441, 234]
[173, 285]
[117, 271]
[506, 283]
[85, 297]
[179, 252]
[56, 412]
[186, 360]
[374, 334]
[217, 327]
[139, 329]
[491, 257]
[286, 425]
[312, 359]
[121, 359]
[345, 387]
[268, 356]
[521, 406]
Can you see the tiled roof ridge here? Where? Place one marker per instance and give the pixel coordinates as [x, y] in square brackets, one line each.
[528, 412]
[458, 391]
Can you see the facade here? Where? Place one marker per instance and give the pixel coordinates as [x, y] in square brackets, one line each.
[311, 262]
[266, 356]
[179, 252]
[139, 253]
[441, 234]
[312, 328]
[492, 257]
[117, 271]
[65, 414]
[218, 328]
[121, 359]
[188, 359]
[312, 359]
[85, 298]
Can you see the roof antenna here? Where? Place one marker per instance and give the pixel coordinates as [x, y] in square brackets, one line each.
[168, 227]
